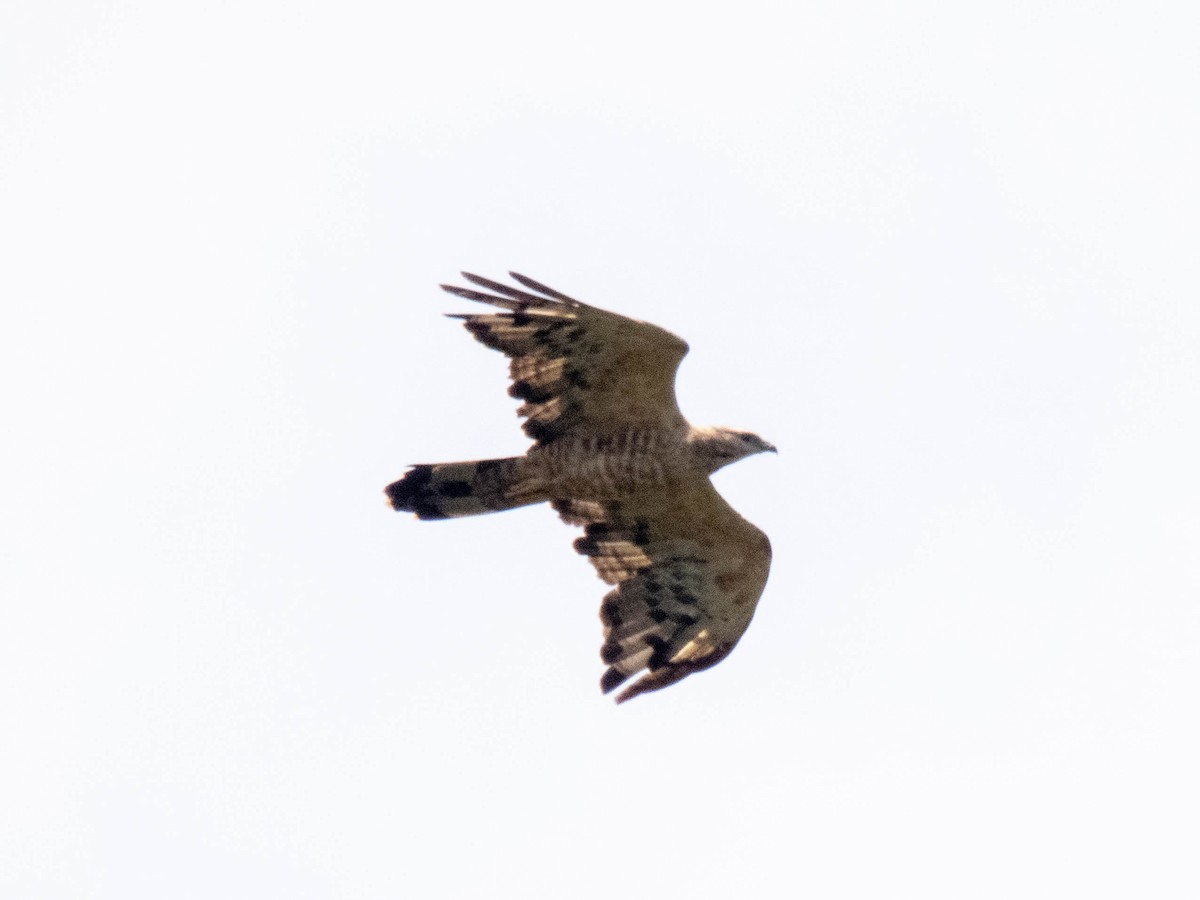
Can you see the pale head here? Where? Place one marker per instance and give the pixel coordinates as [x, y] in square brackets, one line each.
[714, 448]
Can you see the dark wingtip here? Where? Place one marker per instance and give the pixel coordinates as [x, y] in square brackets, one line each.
[542, 289]
[610, 653]
[465, 293]
[492, 285]
[610, 680]
[628, 694]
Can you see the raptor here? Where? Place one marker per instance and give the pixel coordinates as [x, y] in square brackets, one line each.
[612, 453]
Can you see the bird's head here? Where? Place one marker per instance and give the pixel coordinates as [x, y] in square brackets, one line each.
[718, 447]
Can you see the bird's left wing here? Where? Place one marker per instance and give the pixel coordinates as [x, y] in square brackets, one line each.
[687, 572]
[578, 369]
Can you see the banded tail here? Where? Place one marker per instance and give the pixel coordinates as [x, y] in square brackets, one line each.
[450, 490]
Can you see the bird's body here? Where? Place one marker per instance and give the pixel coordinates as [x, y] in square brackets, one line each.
[599, 467]
[613, 453]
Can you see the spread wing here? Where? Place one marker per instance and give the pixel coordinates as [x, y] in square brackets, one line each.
[687, 572]
[576, 367]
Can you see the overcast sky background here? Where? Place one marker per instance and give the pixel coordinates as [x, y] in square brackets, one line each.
[943, 255]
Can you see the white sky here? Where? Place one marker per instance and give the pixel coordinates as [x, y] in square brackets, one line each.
[945, 258]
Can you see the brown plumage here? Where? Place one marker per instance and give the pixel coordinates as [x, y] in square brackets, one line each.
[612, 453]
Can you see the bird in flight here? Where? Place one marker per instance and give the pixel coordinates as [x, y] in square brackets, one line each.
[612, 453]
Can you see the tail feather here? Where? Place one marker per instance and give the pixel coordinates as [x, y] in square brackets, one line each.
[450, 490]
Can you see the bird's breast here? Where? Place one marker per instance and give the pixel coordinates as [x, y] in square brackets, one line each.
[608, 465]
